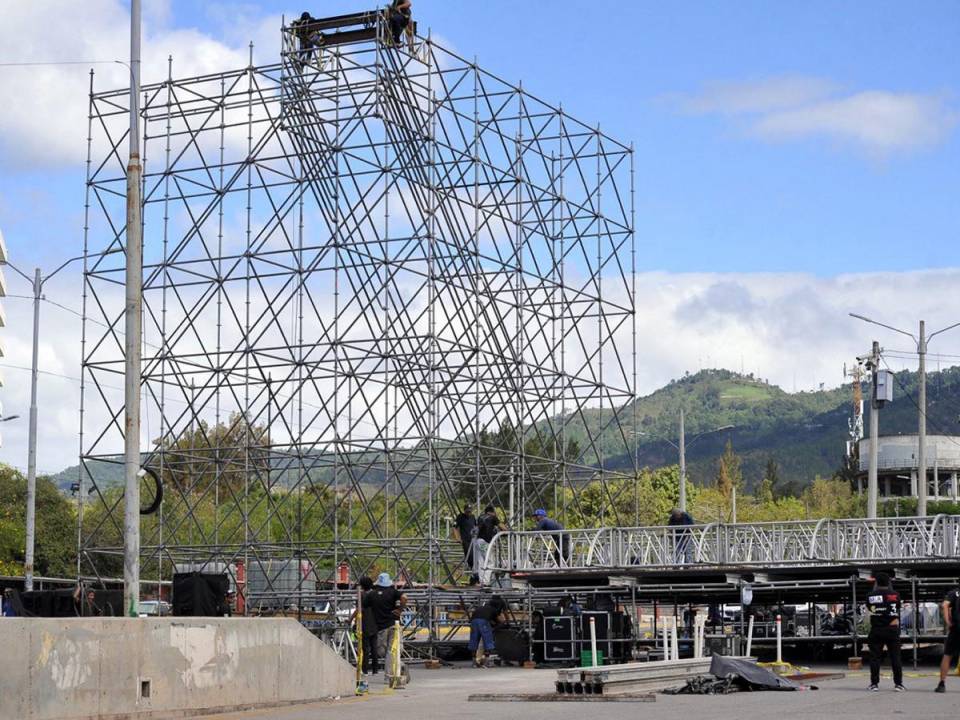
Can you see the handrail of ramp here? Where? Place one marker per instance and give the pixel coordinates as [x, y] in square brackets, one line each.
[767, 544]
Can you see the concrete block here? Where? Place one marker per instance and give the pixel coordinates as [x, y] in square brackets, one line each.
[87, 668]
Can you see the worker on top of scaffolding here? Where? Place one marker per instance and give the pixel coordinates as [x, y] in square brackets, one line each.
[399, 16]
[308, 37]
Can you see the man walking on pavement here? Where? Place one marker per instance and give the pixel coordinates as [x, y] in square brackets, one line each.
[883, 603]
[951, 648]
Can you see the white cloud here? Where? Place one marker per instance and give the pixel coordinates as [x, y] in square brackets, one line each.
[47, 125]
[789, 328]
[796, 108]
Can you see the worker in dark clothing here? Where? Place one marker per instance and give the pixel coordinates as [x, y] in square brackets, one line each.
[466, 530]
[398, 16]
[368, 628]
[561, 539]
[951, 648]
[488, 525]
[481, 628]
[308, 36]
[883, 603]
[681, 520]
[387, 604]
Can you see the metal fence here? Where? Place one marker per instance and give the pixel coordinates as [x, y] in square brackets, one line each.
[769, 544]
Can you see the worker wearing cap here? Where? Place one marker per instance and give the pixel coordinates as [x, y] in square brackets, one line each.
[561, 550]
[386, 603]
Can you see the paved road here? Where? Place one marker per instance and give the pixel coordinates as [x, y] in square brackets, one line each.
[443, 694]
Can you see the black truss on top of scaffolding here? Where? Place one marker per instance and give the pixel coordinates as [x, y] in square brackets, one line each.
[359, 267]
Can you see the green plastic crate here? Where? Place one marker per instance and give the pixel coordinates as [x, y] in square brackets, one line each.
[586, 658]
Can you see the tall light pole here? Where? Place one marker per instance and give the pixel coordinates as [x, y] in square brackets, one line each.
[921, 342]
[132, 340]
[682, 449]
[683, 464]
[37, 282]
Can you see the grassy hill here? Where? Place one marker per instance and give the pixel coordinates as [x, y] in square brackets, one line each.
[804, 433]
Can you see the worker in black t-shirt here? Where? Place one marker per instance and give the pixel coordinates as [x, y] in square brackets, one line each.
[387, 604]
[951, 648]
[883, 603]
[481, 628]
[466, 530]
[368, 628]
[488, 525]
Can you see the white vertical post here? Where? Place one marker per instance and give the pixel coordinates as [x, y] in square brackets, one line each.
[593, 642]
[674, 641]
[750, 637]
[779, 640]
[664, 635]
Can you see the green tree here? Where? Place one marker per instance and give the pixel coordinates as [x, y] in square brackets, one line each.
[55, 540]
[729, 474]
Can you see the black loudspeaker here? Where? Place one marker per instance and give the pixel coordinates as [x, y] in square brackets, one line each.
[621, 635]
[559, 634]
[200, 594]
[48, 603]
[61, 603]
[512, 643]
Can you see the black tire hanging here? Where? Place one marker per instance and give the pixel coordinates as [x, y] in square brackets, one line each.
[158, 496]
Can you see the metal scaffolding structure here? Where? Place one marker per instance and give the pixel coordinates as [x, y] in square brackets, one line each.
[378, 284]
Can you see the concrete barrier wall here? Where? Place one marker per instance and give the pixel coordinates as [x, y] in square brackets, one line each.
[84, 668]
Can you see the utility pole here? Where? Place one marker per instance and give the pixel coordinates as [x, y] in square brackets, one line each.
[683, 465]
[31, 529]
[872, 490]
[922, 425]
[37, 282]
[132, 340]
[922, 342]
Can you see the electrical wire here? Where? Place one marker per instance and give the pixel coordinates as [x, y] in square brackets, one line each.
[903, 388]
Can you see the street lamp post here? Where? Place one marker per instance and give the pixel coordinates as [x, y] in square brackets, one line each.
[682, 450]
[922, 342]
[37, 282]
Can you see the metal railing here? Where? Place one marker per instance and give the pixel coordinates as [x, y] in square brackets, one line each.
[768, 544]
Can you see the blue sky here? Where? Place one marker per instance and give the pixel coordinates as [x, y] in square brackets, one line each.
[712, 195]
[795, 161]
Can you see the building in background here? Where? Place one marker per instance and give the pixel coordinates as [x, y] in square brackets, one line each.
[897, 473]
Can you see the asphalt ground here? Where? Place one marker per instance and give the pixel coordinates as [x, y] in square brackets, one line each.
[443, 693]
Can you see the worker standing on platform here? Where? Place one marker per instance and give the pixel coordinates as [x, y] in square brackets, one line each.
[308, 36]
[466, 531]
[684, 549]
[883, 603]
[561, 539]
[951, 648]
[398, 16]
